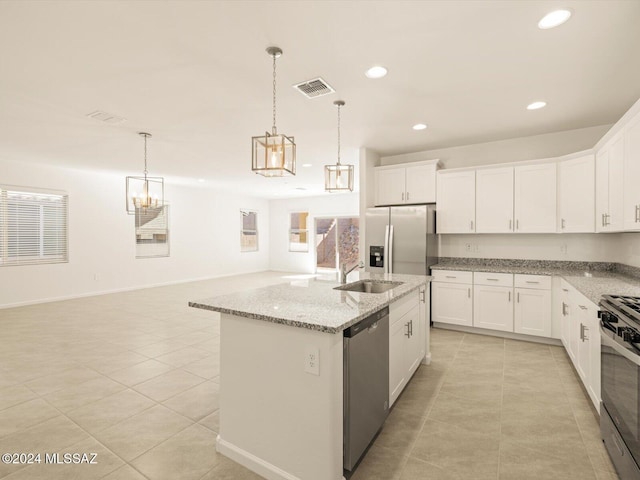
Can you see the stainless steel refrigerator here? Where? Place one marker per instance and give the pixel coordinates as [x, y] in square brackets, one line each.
[401, 239]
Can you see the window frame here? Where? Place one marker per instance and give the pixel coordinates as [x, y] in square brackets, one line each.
[243, 248]
[298, 231]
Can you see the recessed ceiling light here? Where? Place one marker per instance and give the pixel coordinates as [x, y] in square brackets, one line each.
[201, 180]
[306, 165]
[300, 188]
[553, 19]
[419, 126]
[376, 72]
[536, 105]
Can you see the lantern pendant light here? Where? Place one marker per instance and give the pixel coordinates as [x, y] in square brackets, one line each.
[338, 177]
[144, 192]
[274, 154]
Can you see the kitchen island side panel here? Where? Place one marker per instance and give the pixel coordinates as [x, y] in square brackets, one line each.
[275, 418]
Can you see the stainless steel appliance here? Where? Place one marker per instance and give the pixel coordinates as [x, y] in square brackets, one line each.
[401, 239]
[620, 382]
[366, 383]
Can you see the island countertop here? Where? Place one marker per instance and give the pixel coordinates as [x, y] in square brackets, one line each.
[312, 303]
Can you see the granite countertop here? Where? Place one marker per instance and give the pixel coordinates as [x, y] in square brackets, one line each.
[312, 303]
[589, 281]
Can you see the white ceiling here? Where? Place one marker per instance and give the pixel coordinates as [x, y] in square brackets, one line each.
[196, 76]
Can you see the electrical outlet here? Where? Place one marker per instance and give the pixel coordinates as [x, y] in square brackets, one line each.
[312, 360]
[96, 277]
[467, 247]
[563, 248]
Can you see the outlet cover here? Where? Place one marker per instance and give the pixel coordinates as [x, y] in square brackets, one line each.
[312, 360]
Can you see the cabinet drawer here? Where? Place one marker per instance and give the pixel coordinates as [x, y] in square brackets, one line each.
[400, 308]
[452, 276]
[493, 279]
[538, 282]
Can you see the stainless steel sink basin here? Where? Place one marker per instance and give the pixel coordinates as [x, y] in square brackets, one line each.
[368, 286]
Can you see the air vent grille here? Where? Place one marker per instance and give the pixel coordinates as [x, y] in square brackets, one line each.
[106, 117]
[314, 88]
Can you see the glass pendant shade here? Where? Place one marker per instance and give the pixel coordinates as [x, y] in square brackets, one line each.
[274, 155]
[338, 178]
[144, 192]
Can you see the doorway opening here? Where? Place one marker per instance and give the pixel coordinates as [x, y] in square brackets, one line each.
[337, 241]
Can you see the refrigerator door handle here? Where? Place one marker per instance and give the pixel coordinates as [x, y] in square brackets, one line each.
[385, 266]
[390, 254]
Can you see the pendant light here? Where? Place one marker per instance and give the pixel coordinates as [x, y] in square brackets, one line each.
[144, 192]
[274, 154]
[338, 177]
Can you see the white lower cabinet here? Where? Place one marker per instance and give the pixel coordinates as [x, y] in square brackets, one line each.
[406, 341]
[492, 308]
[532, 306]
[452, 303]
[581, 337]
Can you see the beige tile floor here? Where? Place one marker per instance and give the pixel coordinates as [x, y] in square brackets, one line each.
[133, 377]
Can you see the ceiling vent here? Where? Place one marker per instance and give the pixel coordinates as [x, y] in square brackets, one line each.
[314, 88]
[106, 117]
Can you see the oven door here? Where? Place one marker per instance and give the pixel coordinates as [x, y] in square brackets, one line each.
[620, 369]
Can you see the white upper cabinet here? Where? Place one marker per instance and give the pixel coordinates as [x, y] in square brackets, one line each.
[535, 198]
[456, 198]
[406, 184]
[576, 195]
[631, 213]
[609, 185]
[494, 200]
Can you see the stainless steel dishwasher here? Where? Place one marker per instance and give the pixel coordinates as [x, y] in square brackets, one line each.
[366, 383]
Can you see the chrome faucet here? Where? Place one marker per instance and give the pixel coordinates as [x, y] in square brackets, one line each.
[344, 272]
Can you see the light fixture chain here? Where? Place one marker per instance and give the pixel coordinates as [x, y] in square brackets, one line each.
[145, 156]
[339, 134]
[274, 131]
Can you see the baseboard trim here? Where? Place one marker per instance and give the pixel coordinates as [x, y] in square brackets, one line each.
[498, 333]
[120, 290]
[250, 461]
[427, 359]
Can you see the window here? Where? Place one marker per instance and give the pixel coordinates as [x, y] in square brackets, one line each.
[299, 232]
[152, 232]
[337, 242]
[33, 227]
[249, 232]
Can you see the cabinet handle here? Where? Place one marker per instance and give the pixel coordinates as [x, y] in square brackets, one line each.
[403, 196]
[562, 223]
[583, 329]
[450, 276]
[637, 213]
[493, 279]
[565, 290]
[517, 224]
[422, 296]
[469, 292]
[582, 307]
[603, 219]
[411, 327]
[471, 224]
[510, 223]
[531, 281]
[606, 220]
[408, 333]
[407, 195]
[518, 298]
[509, 296]
[564, 309]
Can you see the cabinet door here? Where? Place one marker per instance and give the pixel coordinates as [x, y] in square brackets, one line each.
[421, 184]
[425, 334]
[583, 351]
[532, 313]
[535, 198]
[414, 345]
[602, 189]
[631, 215]
[565, 320]
[390, 186]
[616, 185]
[576, 195]
[594, 342]
[494, 200]
[493, 308]
[451, 303]
[397, 378]
[456, 202]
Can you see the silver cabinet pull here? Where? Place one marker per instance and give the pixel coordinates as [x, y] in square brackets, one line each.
[411, 327]
[451, 276]
[510, 225]
[494, 279]
[637, 213]
[582, 307]
[422, 296]
[565, 290]
[509, 295]
[471, 224]
[408, 332]
[403, 196]
[531, 281]
[469, 292]
[562, 222]
[564, 309]
[518, 298]
[517, 224]
[583, 330]
[407, 195]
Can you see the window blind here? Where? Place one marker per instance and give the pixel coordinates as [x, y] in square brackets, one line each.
[33, 227]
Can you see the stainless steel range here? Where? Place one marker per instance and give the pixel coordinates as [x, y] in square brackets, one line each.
[620, 360]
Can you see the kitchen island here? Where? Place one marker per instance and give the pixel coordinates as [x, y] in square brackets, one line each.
[281, 371]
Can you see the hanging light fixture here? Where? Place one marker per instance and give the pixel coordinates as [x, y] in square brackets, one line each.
[144, 192]
[338, 177]
[273, 155]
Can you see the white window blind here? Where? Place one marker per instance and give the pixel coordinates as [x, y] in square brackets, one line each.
[33, 227]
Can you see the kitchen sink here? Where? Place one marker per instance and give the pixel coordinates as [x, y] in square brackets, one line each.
[368, 286]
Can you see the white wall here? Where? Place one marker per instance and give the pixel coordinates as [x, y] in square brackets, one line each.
[573, 247]
[204, 237]
[281, 259]
[512, 150]
[628, 249]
